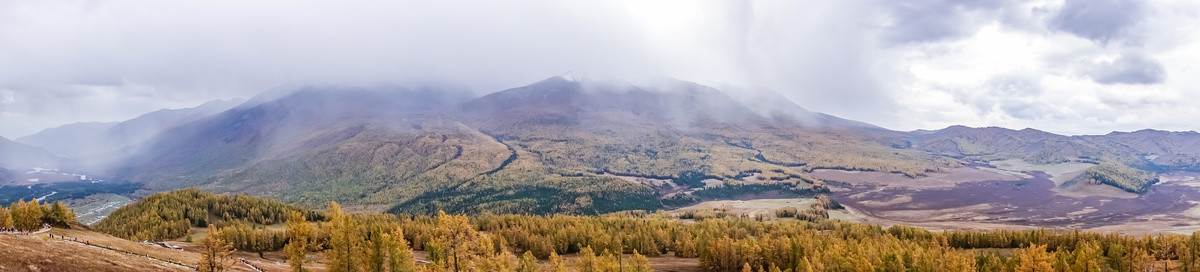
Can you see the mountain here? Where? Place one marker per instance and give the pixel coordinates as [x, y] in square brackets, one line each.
[1127, 160]
[14, 155]
[81, 140]
[68, 140]
[552, 146]
[571, 146]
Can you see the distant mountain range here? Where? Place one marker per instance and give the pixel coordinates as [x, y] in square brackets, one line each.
[556, 145]
[14, 156]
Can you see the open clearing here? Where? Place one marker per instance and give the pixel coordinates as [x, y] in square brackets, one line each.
[752, 207]
[969, 199]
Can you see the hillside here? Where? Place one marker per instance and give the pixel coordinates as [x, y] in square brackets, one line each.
[17, 156]
[552, 146]
[86, 141]
[1126, 160]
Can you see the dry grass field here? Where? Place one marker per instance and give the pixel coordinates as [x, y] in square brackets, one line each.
[40, 253]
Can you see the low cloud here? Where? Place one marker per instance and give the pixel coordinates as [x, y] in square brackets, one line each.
[899, 64]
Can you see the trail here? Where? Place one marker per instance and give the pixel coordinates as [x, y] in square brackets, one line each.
[85, 243]
[43, 230]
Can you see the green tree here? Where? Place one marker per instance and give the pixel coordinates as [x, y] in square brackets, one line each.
[59, 215]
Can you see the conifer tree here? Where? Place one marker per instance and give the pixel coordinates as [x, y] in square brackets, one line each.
[27, 215]
[1034, 259]
[376, 250]
[215, 251]
[344, 254]
[400, 256]
[588, 261]
[6, 220]
[640, 263]
[556, 263]
[528, 263]
[457, 233]
[300, 240]
[804, 265]
[1139, 259]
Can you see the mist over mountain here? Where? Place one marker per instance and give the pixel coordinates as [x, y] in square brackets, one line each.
[81, 140]
[560, 145]
[14, 155]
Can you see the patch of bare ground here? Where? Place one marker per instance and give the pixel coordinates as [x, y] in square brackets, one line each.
[750, 207]
[1034, 202]
[949, 178]
[1059, 172]
[1080, 190]
[191, 257]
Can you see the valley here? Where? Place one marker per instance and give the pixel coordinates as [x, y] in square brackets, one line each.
[980, 197]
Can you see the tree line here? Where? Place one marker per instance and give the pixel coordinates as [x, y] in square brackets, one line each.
[32, 215]
[626, 241]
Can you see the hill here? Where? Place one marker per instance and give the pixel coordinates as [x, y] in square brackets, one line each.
[1126, 160]
[552, 146]
[171, 215]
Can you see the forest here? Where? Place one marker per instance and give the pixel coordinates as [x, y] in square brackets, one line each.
[171, 215]
[624, 241]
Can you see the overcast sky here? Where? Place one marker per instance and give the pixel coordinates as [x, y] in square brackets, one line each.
[1073, 67]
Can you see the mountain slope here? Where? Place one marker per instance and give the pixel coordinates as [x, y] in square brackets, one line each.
[563, 146]
[552, 146]
[82, 140]
[68, 140]
[14, 155]
[1127, 160]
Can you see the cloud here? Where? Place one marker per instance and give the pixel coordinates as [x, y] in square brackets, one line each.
[1100, 20]
[1128, 68]
[938, 20]
[1073, 66]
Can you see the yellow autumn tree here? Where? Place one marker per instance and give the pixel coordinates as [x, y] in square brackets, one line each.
[215, 251]
[300, 240]
[1034, 259]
